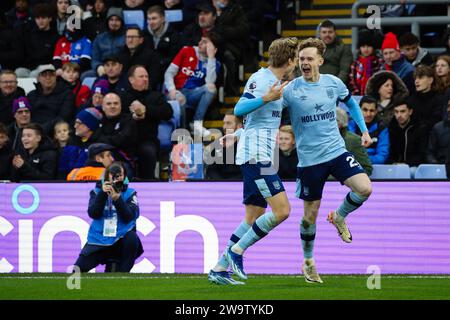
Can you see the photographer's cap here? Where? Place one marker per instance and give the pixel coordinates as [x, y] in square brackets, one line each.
[96, 148]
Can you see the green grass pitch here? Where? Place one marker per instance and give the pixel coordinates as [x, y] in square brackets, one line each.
[196, 287]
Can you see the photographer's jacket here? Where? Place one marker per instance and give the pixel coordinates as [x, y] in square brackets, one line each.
[102, 208]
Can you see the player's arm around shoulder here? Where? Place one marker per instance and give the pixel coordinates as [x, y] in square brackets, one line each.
[248, 103]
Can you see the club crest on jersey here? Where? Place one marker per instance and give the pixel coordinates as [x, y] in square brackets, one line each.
[330, 93]
[252, 86]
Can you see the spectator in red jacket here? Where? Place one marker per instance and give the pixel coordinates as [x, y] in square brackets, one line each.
[365, 65]
[71, 77]
[73, 46]
[191, 78]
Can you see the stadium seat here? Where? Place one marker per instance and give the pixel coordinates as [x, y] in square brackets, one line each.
[89, 81]
[166, 128]
[390, 171]
[431, 171]
[27, 84]
[174, 15]
[134, 17]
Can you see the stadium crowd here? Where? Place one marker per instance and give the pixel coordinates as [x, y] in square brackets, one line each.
[181, 52]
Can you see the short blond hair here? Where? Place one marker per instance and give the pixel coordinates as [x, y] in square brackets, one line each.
[287, 129]
[313, 43]
[281, 50]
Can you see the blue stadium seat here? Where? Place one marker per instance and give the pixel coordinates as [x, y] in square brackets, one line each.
[89, 81]
[166, 128]
[174, 15]
[390, 171]
[431, 171]
[134, 17]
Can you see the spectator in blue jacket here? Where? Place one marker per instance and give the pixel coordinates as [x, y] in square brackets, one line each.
[107, 43]
[379, 149]
[112, 237]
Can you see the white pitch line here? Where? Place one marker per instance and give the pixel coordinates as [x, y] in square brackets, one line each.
[203, 276]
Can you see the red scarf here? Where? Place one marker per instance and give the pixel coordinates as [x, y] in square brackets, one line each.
[364, 72]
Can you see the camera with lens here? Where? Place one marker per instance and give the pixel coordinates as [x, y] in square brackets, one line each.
[116, 172]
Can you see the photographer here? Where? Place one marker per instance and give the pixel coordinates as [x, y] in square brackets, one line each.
[112, 237]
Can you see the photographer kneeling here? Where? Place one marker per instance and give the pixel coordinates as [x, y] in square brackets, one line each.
[112, 235]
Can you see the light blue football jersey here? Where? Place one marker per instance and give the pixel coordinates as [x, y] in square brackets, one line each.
[258, 138]
[312, 109]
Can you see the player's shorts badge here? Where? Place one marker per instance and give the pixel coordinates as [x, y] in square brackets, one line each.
[330, 93]
[306, 191]
[276, 185]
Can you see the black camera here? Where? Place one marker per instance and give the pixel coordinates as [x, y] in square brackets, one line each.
[116, 172]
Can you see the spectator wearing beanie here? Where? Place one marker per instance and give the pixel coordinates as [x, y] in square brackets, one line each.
[75, 153]
[365, 65]
[414, 54]
[98, 91]
[396, 62]
[109, 42]
[22, 114]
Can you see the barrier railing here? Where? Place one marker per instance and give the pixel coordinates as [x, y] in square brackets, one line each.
[415, 22]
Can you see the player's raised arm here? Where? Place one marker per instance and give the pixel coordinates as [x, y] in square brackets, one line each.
[355, 112]
[248, 103]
